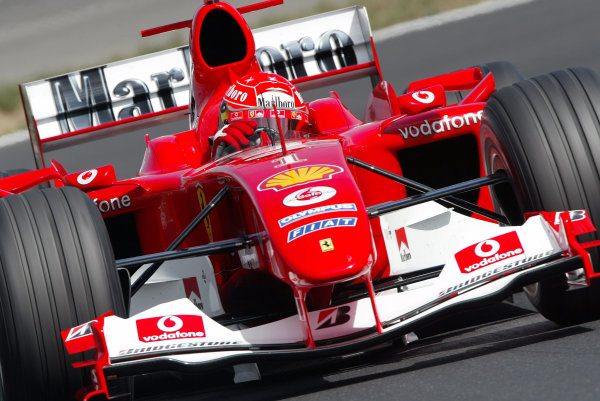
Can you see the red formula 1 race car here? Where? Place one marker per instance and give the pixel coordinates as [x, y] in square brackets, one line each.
[276, 229]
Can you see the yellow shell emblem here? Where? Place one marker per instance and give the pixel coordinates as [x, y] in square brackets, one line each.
[297, 176]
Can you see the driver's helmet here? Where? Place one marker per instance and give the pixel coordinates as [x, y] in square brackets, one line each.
[253, 97]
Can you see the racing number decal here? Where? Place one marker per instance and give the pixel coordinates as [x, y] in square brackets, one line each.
[203, 203]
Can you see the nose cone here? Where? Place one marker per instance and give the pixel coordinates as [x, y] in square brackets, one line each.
[312, 210]
[331, 249]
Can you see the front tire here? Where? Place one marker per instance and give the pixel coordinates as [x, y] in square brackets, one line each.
[542, 132]
[56, 271]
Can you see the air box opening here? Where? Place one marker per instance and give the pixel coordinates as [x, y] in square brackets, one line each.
[230, 44]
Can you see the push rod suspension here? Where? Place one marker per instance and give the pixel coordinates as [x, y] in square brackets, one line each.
[145, 276]
[460, 203]
[387, 207]
[202, 250]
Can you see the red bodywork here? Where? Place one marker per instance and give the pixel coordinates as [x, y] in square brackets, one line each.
[177, 177]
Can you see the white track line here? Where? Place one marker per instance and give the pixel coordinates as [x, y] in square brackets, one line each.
[390, 32]
[447, 17]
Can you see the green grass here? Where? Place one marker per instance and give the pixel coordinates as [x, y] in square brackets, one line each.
[9, 97]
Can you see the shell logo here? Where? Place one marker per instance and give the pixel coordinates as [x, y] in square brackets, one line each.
[299, 175]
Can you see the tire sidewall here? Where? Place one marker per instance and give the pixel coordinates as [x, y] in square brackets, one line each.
[57, 271]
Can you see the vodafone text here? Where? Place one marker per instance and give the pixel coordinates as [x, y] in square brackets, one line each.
[113, 204]
[489, 251]
[170, 328]
[496, 258]
[445, 124]
[173, 336]
[494, 273]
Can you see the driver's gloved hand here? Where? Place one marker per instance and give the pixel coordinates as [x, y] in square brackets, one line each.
[233, 137]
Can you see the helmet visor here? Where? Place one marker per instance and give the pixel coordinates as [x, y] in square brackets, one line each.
[292, 123]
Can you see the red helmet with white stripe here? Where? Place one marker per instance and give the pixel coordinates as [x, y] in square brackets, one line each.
[264, 97]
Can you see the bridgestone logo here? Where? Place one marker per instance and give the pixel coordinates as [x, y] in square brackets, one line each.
[445, 124]
[179, 347]
[81, 331]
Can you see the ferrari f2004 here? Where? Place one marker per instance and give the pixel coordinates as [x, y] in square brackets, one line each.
[275, 228]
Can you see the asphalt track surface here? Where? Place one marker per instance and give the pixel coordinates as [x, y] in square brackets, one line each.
[505, 352]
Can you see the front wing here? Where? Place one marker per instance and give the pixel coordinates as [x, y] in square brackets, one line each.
[177, 336]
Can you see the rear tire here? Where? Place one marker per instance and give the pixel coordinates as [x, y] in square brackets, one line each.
[542, 132]
[56, 271]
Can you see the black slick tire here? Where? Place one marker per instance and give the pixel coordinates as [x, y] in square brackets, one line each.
[545, 133]
[57, 271]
